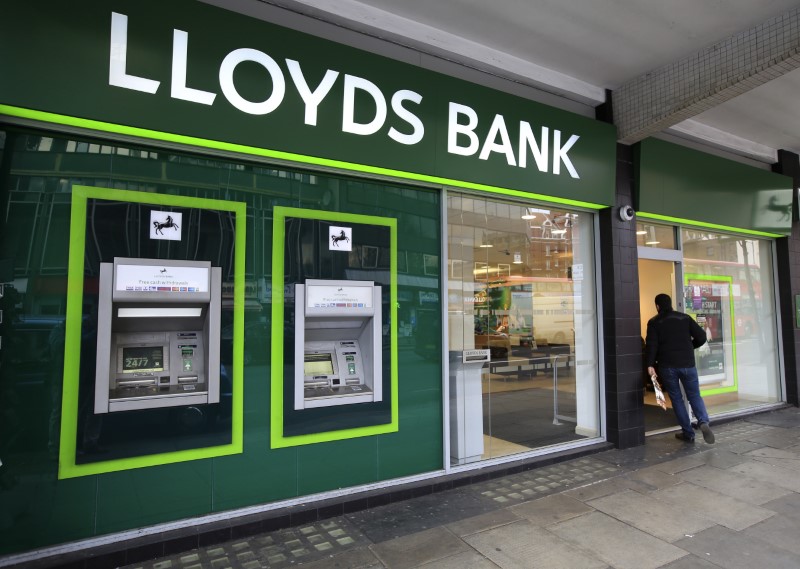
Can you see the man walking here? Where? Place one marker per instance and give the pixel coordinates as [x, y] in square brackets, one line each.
[672, 337]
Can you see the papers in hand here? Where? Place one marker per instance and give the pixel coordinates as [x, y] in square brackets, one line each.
[662, 402]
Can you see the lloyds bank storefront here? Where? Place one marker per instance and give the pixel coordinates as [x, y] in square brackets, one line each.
[246, 268]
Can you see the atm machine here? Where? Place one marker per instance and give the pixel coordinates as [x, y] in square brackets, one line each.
[338, 346]
[158, 334]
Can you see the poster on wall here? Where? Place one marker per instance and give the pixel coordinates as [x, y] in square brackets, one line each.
[709, 304]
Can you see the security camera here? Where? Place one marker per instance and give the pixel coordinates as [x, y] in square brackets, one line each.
[626, 213]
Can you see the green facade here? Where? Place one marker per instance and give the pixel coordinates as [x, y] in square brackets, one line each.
[681, 185]
[81, 39]
[38, 175]
[61, 80]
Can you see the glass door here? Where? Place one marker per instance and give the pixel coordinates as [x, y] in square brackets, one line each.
[656, 276]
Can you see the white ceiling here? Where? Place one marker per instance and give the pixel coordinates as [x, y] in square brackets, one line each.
[579, 48]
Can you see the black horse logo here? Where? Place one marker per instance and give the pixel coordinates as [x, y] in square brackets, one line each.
[159, 226]
[341, 237]
[785, 210]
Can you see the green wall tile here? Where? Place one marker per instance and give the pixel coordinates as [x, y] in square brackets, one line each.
[417, 446]
[36, 510]
[257, 476]
[337, 464]
[147, 496]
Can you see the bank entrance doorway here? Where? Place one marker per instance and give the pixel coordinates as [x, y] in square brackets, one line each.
[656, 276]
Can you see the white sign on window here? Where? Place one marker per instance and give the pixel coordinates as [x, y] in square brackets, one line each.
[161, 278]
[340, 238]
[333, 296]
[165, 225]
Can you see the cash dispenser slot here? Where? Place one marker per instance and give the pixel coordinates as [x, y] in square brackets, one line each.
[338, 339]
[158, 334]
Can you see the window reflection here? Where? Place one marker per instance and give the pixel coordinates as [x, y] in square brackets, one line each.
[521, 286]
[654, 235]
[728, 289]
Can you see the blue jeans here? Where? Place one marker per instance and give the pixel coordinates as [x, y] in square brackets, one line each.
[671, 378]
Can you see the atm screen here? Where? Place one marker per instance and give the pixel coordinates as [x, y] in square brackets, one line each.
[318, 364]
[142, 358]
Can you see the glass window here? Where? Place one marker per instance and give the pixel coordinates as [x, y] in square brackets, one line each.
[520, 286]
[654, 235]
[729, 290]
[36, 236]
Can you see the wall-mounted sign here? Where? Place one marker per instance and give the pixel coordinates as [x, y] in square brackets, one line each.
[165, 225]
[158, 278]
[325, 296]
[340, 238]
[225, 78]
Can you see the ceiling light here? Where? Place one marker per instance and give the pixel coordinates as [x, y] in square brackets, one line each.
[641, 233]
[652, 242]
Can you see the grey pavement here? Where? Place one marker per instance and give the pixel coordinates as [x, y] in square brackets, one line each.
[668, 504]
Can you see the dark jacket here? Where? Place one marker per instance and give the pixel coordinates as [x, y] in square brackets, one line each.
[672, 338]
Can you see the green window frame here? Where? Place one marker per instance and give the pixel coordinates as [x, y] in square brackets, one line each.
[277, 438]
[67, 468]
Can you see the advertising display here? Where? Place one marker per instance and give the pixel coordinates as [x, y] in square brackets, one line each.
[709, 301]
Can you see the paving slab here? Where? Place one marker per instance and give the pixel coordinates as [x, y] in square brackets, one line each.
[777, 457]
[534, 484]
[522, 545]
[788, 506]
[483, 522]
[777, 438]
[412, 516]
[551, 510]
[683, 463]
[733, 484]
[723, 458]
[658, 518]
[780, 531]
[724, 510]
[418, 548]
[736, 550]
[654, 477]
[775, 475]
[741, 447]
[657, 450]
[361, 558]
[785, 418]
[606, 487]
[466, 560]
[690, 562]
[616, 543]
